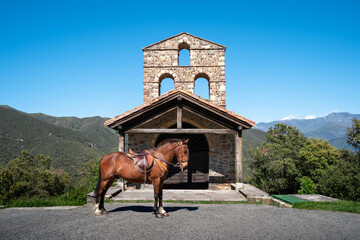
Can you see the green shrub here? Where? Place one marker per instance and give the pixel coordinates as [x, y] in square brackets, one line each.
[307, 186]
[76, 195]
[29, 181]
[27, 177]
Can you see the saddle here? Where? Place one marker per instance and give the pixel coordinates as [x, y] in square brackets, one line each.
[143, 161]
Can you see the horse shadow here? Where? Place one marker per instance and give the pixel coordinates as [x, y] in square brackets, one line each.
[145, 209]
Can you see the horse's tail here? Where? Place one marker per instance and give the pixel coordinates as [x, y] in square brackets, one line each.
[98, 182]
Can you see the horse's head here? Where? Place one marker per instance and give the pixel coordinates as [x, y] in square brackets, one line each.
[183, 154]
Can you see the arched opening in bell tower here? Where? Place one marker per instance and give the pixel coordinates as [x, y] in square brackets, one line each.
[202, 85]
[184, 54]
[166, 83]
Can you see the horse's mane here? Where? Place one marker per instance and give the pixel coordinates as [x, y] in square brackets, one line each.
[164, 142]
[169, 140]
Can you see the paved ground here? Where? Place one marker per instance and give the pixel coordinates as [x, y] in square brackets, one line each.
[186, 221]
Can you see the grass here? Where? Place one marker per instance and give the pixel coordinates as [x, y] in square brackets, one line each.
[42, 202]
[340, 206]
[72, 197]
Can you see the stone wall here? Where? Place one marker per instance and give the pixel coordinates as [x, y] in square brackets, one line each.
[207, 60]
[221, 147]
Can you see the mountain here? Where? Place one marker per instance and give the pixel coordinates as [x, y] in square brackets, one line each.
[251, 138]
[331, 127]
[93, 128]
[68, 149]
[72, 141]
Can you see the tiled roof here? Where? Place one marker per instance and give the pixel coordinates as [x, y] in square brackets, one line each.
[181, 92]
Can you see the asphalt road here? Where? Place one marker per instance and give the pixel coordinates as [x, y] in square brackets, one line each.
[186, 221]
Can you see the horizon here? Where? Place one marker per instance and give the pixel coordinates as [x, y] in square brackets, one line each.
[276, 120]
[284, 60]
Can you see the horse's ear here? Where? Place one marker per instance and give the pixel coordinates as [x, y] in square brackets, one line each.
[186, 141]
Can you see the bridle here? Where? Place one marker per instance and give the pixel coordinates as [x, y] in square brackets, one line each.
[178, 164]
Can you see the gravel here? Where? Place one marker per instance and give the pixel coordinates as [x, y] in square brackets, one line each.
[186, 221]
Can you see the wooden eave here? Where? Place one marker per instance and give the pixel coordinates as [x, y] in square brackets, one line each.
[137, 116]
[148, 47]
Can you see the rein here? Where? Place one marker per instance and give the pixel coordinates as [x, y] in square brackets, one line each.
[178, 164]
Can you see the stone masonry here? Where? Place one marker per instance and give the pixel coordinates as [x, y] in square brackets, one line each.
[207, 60]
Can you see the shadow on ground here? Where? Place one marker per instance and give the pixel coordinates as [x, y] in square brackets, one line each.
[150, 209]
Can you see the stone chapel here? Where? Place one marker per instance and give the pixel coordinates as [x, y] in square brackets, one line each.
[215, 133]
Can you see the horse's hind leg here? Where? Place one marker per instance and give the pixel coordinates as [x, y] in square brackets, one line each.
[99, 206]
[107, 186]
[99, 202]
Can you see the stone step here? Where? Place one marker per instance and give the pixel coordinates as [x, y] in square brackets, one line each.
[250, 191]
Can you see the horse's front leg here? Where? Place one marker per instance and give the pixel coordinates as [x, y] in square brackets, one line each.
[156, 185]
[161, 209]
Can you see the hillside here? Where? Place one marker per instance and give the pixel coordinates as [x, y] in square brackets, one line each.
[331, 127]
[18, 131]
[251, 138]
[71, 141]
[93, 128]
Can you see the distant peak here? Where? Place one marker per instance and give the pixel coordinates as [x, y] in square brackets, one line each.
[7, 107]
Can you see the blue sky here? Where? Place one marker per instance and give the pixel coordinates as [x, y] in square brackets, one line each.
[83, 58]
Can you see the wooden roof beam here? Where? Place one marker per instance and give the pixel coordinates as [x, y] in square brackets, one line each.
[180, 131]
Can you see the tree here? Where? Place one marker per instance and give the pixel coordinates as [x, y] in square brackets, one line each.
[353, 134]
[315, 157]
[343, 179]
[289, 163]
[28, 176]
[275, 163]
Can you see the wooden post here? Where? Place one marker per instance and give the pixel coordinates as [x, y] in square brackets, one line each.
[239, 173]
[179, 116]
[121, 142]
[120, 182]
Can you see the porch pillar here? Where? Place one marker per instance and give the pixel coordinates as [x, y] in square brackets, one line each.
[239, 173]
[179, 114]
[121, 142]
[120, 182]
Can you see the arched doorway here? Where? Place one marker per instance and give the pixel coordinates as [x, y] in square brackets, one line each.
[196, 176]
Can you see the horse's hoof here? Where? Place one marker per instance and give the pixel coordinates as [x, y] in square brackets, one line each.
[159, 215]
[165, 214]
[104, 212]
[97, 213]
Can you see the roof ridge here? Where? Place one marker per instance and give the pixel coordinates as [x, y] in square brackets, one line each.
[186, 34]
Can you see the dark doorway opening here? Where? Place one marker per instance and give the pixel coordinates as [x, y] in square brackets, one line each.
[196, 175]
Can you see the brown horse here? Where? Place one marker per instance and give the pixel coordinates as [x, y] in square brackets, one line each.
[118, 164]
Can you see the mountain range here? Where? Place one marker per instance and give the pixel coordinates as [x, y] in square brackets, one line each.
[331, 127]
[71, 141]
